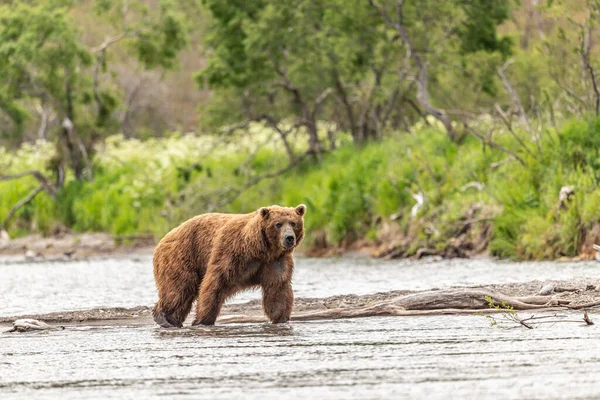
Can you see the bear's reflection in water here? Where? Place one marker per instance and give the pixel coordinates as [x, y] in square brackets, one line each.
[229, 330]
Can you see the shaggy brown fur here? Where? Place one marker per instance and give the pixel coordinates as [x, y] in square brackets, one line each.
[213, 256]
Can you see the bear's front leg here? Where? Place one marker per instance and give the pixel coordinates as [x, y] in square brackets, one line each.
[278, 302]
[212, 295]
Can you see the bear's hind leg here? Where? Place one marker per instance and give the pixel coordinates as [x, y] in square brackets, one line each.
[174, 306]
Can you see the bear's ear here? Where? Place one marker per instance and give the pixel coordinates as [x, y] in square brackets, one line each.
[301, 209]
[264, 212]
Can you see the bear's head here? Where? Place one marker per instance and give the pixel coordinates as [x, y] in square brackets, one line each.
[282, 227]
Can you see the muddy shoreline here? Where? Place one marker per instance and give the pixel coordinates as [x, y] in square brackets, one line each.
[561, 295]
[71, 246]
[80, 246]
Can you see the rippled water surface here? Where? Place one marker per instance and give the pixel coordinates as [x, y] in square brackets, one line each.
[128, 281]
[369, 358]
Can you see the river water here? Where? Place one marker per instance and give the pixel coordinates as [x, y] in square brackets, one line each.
[367, 358]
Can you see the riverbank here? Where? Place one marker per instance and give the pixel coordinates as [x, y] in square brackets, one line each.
[80, 246]
[535, 296]
[71, 246]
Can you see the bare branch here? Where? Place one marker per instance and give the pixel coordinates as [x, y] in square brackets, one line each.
[45, 183]
[390, 106]
[517, 101]
[101, 51]
[45, 119]
[343, 96]
[283, 135]
[422, 79]
[109, 42]
[288, 85]
[509, 126]
[585, 49]
[384, 15]
[23, 202]
[320, 99]
[245, 164]
[495, 145]
[497, 164]
[130, 98]
[95, 79]
[228, 130]
[420, 200]
[231, 195]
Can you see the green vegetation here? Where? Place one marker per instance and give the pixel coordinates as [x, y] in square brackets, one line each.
[150, 186]
[483, 111]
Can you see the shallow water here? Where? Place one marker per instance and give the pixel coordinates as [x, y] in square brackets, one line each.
[368, 358]
[128, 281]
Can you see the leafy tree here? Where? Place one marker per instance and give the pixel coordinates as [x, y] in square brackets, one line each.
[362, 64]
[43, 61]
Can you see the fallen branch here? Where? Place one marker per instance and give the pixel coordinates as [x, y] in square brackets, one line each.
[584, 306]
[508, 312]
[434, 302]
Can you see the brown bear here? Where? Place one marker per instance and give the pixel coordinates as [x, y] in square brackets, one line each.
[213, 256]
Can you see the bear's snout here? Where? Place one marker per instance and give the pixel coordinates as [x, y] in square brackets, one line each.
[289, 240]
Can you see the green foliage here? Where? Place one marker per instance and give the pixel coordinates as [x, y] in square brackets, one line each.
[45, 63]
[506, 311]
[159, 42]
[40, 54]
[479, 30]
[151, 186]
[279, 57]
[303, 64]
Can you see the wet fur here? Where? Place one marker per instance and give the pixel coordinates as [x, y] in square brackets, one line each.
[214, 256]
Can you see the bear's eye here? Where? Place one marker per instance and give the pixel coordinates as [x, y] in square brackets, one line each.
[279, 225]
[293, 224]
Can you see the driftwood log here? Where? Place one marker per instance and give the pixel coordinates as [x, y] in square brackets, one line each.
[435, 302]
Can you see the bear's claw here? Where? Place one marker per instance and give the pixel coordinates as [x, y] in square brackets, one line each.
[163, 320]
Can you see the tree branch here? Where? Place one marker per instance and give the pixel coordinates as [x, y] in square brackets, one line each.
[109, 42]
[343, 95]
[319, 101]
[508, 124]
[21, 203]
[231, 194]
[495, 145]
[517, 102]
[422, 79]
[586, 47]
[45, 183]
